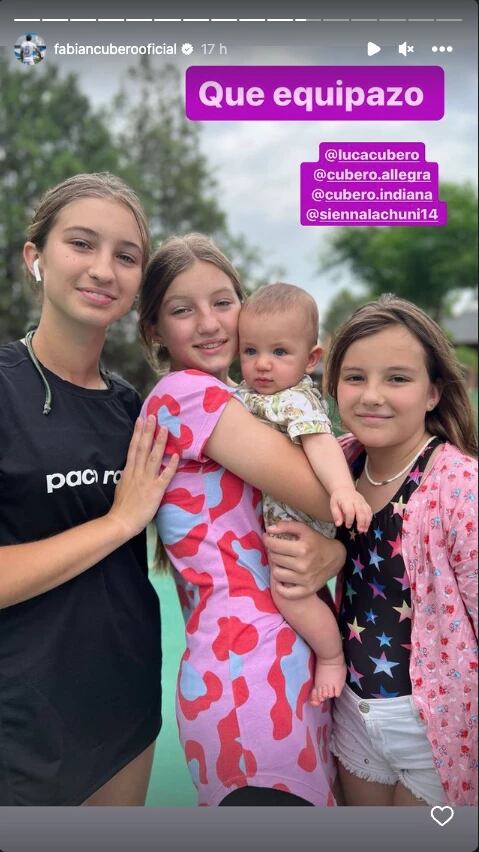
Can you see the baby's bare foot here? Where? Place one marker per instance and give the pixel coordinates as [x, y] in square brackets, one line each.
[329, 679]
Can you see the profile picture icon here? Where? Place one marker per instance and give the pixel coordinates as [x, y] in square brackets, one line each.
[30, 48]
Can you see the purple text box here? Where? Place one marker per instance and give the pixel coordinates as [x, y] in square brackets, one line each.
[392, 214]
[314, 92]
[371, 183]
[322, 172]
[326, 174]
[357, 152]
[349, 177]
[370, 191]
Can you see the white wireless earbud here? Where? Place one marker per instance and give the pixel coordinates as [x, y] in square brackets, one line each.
[36, 270]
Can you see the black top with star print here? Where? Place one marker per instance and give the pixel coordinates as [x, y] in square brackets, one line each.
[375, 614]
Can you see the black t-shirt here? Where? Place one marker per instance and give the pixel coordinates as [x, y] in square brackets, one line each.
[80, 690]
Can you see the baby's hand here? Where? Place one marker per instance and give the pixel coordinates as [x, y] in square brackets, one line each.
[346, 504]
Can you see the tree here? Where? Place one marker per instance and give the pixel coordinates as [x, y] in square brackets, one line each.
[340, 309]
[162, 154]
[48, 131]
[163, 160]
[423, 264]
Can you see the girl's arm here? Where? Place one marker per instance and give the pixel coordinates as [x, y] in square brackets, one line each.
[466, 576]
[266, 459]
[462, 545]
[27, 570]
[304, 563]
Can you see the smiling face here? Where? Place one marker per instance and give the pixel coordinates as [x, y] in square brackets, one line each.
[384, 390]
[275, 351]
[91, 264]
[198, 320]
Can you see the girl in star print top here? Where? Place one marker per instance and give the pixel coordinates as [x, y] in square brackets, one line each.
[249, 732]
[405, 726]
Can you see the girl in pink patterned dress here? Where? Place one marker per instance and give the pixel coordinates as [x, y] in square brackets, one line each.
[405, 726]
[249, 732]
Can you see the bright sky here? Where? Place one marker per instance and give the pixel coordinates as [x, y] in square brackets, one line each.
[257, 163]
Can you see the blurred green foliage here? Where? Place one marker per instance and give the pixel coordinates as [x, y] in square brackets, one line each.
[49, 131]
[424, 264]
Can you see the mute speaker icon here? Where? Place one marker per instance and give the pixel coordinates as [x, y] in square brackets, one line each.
[373, 48]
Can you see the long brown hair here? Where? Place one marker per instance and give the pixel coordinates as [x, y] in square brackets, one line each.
[452, 418]
[171, 258]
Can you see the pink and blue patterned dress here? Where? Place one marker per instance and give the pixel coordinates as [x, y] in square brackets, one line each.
[245, 677]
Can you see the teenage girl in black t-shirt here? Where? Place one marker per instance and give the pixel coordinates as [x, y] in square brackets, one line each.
[79, 620]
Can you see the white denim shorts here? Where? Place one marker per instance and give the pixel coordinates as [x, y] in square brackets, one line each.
[384, 740]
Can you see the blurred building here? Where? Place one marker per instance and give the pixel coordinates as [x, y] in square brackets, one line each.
[463, 333]
[463, 329]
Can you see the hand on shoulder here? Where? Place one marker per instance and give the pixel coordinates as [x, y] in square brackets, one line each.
[142, 485]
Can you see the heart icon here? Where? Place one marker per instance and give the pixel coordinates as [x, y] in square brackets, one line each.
[442, 815]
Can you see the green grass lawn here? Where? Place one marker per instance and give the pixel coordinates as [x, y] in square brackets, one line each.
[170, 784]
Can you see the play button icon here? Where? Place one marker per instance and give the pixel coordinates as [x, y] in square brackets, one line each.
[373, 48]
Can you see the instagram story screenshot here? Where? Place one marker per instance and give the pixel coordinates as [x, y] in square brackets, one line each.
[238, 424]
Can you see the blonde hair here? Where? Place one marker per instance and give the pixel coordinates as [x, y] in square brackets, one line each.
[171, 258]
[452, 418]
[92, 185]
[281, 298]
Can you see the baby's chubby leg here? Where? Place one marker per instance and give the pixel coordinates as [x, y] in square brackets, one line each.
[315, 622]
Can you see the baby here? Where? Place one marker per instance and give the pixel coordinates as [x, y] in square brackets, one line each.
[278, 334]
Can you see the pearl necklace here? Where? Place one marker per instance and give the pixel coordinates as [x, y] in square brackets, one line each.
[401, 472]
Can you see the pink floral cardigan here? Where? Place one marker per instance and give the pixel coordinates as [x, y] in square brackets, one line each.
[439, 547]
